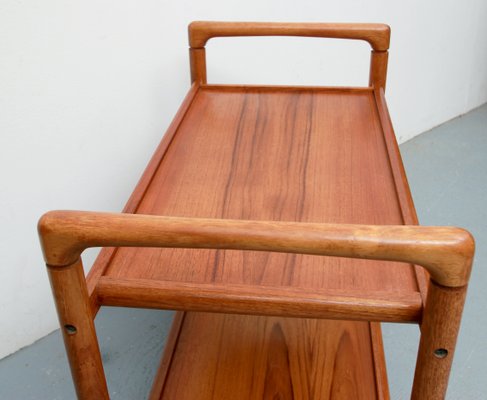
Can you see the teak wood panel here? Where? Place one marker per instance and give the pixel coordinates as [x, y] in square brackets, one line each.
[250, 357]
[311, 155]
[295, 154]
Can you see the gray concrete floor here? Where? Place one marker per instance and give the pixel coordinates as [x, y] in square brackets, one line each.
[447, 170]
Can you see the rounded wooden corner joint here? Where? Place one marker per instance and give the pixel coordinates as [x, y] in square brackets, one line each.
[452, 264]
[60, 245]
[193, 31]
[376, 34]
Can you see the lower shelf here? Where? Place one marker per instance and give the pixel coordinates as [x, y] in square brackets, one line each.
[222, 356]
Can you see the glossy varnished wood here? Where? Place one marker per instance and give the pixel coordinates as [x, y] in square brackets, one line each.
[320, 157]
[377, 35]
[78, 330]
[403, 191]
[248, 357]
[232, 185]
[260, 300]
[238, 176]
[137, 195]
[242, 160]
[439, 331]
[446, 252]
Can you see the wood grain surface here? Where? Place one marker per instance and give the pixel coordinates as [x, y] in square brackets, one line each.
[267, 184]
[320, 157]
[260, 300]
[403, 191]
[248, 357]
[326, 126]
[106, 253]
[242, 160]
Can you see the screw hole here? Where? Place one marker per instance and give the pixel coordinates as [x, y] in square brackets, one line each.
[70, 329]
[440, 353]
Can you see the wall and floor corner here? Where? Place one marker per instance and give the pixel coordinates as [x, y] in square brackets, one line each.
[87, 89]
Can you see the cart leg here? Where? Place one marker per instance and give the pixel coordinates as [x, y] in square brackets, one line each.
[439, 330]
[197, 63]
[378, 69]
[75, 316]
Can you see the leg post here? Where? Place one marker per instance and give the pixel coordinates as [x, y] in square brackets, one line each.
[378, 69]
[197, 63]
[439, 330]
[78, 328]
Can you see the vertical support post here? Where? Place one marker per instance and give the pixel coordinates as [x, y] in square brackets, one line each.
[197, 63]
[378, 69]
[439, 331]
[75, 316]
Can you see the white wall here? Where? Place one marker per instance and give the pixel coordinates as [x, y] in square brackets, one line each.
[87, 88]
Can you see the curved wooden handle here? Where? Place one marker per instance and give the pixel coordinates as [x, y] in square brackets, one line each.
[446, 252]
[378, 35]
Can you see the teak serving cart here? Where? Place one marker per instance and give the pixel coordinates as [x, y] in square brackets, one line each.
[279, 222]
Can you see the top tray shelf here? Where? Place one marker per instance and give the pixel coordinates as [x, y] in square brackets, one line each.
[278, 154]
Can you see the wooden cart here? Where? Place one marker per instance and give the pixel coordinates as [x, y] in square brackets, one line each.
[279, 222]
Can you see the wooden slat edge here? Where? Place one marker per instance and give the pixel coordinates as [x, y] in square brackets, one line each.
[380, 369]
[157, 389]
[400, 180]
[242, 299]
[286, 88]
[106, 254]
[146, 178]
